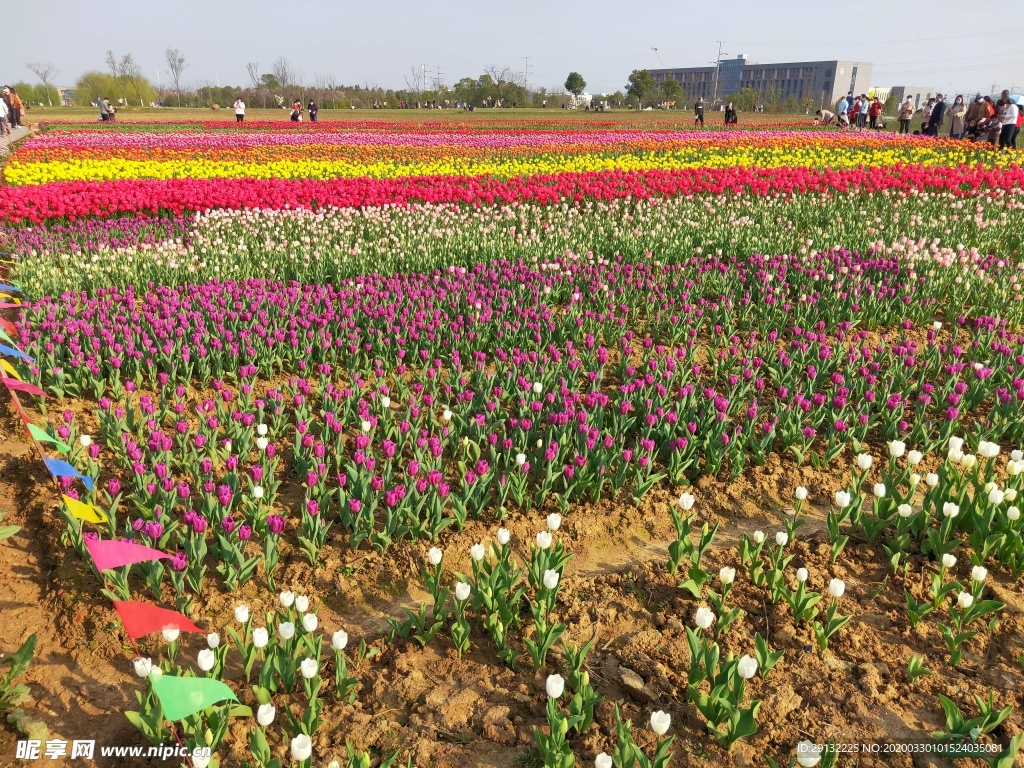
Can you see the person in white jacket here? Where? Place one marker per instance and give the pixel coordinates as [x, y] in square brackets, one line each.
[239, 110]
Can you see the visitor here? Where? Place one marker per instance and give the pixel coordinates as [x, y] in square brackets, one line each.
[906, 114]
[313, 110]
[104, 112]
[698, 111]
[855, 113]
[1008, 123]
[926, 115]
[5, 111]
[1020, 121]
[824, 117]
[862, 112]
[239, 110]
[296, 111]
[844, 112]
[17, 108]
[977, 112]
[730, 115]
[957, 113]
[937, 116]
[874, 112]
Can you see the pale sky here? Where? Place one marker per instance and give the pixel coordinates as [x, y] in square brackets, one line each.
[952, 45]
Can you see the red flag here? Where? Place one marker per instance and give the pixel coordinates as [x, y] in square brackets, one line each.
[23, 386]
[141, 619]
[8, 326]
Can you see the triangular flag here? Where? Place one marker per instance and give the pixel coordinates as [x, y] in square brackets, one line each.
[8, 339]
[8, 326]
[12, 352]
[42, 437]
[4, 365]
[22, 386]
[182, 697]
[112, 553]
[60, 468]
[9, 305]
[141, 619]
[84, 511]
[5, 287]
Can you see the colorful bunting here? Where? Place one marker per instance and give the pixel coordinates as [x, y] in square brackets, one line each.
[60, 468]
[182, 697]
[12, 352]
[5, 287]
[84, 511]
[6, 366]
[141, 619]
[42, 437]
[22, 386]
[8, 339]
[113, 553]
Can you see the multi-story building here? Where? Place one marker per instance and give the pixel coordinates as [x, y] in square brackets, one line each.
[917, 95]
[824, 82]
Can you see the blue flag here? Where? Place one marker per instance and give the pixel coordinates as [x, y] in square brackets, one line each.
[12, 352]
[60, 468]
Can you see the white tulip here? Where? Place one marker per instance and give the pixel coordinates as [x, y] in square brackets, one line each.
[686, 501]
[968, 461]
[143, 666]
[287, 599]
[914, 458]
[660, 722]
[965, 600]
[301, 603]
[309, 668]
[310, 622]
[1016, 454]
[302, 747]
[897, 448]
[801, 574]
[842, 499]
[503, 536]
[241, 613]
[955, 455]
[808, 754]
[477, 552]
[727, 575]
[265, 714]
[213, 640]
[979, 573]
[879, 490]
[257, 492]
[543, 540]
[555, 686]
[995, 496]
[747, 667]
[171, 634]
[758, 537]
[286, 630]
[206, 660]
[988, 450]
[864, 461]
[782, 538]
[385, 402]
[837, 587]
[85, 441]
[446, 415]
[800, 493]
[603, 760]
[1010, 494]
[1013, 468]
[904, 510]
[704, 617]
[914, 480]
[262, 430]
[537, 388]
[948, 561]
[949, 509]
[1013, 514]
[550, 579]
[260, 637]
[956, 443]
[554, 521]
[462, 590]
[262, 443]
[520, 459]
[365, 426]
[434, 556]
[931, 480]
[339, 640]
[201, 760]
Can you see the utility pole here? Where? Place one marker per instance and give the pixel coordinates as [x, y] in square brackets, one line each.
[439, 80]
[718, 66]
[526, 74]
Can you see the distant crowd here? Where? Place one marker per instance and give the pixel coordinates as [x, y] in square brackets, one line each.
[995, 121]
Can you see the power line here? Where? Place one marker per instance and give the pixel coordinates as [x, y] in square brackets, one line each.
[882, 42]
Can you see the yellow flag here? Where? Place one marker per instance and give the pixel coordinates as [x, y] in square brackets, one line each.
[12, 298]
[9, 369]
[84, 511]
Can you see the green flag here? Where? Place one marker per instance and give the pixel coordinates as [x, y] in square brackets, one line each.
[182, 697]
[42, 437]
[8, 339]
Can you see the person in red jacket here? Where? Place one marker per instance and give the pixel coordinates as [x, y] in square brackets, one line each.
[874, 113]
[854, 111]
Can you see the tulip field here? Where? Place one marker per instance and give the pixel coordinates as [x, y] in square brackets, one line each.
[513, 443]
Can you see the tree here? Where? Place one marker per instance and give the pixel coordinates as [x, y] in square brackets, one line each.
[575, 84]
[45, 73]
[282, 71]
[175, 66]
[640, 83]
[253, 70]
[132, 72]
[114, 65]
[671, 89]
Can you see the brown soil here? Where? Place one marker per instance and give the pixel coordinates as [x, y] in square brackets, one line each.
[476, 712]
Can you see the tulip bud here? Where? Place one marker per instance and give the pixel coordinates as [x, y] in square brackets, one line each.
[260, 637]
[503, 536]
[543, 540]
[265, 714]
[836, 587]
[462, 591]
[310, 622]
[241, 613]
[206, 660]
[965, 600]
[948, 561]
[747, 667]
[660, 722]
[477, 552]
[704, 617]
[339, 640]
[287, 599]
[979, 573]
[550, 579]
[555, 686]
[800, 493]
[727, 575]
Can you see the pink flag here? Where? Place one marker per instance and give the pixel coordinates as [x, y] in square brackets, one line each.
[23, 386]
[111, 553]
